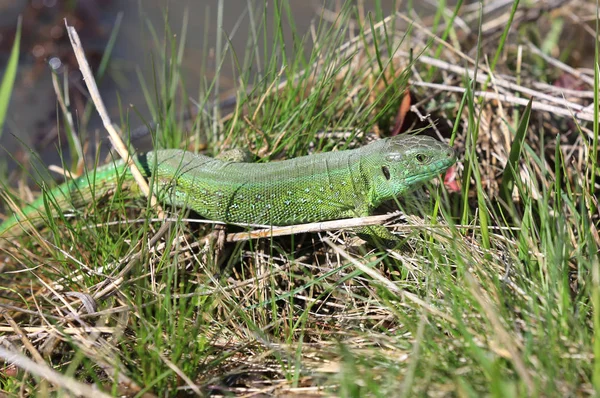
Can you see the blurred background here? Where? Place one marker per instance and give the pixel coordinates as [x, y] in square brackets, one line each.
[138, 31]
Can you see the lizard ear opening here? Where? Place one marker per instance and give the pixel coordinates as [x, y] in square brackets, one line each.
[386, 172]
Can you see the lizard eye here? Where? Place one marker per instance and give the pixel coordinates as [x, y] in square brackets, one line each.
[386, 172]
[421, 158]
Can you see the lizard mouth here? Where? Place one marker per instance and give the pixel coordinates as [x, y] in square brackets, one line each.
[435, 168]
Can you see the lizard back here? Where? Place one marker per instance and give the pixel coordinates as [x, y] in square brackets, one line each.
[304, 189]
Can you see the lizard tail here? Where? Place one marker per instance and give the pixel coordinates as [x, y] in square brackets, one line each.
[71, 194]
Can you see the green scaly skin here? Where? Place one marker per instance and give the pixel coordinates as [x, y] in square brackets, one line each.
[318, 187]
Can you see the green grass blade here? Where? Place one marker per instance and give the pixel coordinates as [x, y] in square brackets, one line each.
[8, 80]
[102, 68]
[594, 155]
[504, 35]
[471, 162]
[510, 171]
[449, 27]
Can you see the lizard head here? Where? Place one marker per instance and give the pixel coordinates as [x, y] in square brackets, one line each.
[407, 161]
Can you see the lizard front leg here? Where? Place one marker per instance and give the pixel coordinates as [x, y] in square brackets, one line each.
[376, 234]
[379, 236]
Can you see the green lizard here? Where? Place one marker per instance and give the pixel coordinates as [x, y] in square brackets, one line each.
[318, 187]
